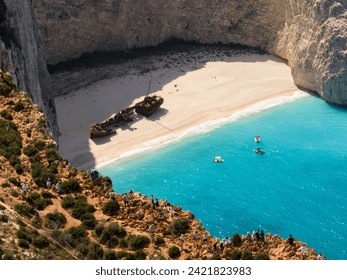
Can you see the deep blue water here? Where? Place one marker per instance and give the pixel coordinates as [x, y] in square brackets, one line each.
[298, 187]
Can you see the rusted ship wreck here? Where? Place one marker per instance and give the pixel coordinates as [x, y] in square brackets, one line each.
[146, 108]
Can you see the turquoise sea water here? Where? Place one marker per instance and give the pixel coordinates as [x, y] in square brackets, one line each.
[298, 187]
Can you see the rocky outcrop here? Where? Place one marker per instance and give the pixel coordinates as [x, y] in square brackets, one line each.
[21, 54]
[310, 34]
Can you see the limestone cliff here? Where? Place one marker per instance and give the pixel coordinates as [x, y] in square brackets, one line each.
[311, 35]
[21, 54]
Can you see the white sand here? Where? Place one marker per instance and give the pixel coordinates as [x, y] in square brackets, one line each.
[193, 94]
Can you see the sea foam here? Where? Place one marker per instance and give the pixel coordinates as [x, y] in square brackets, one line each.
[206, 127]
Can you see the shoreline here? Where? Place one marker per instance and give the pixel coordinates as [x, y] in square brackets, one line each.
[195, 95]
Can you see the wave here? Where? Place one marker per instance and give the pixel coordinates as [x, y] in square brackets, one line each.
[206, 127]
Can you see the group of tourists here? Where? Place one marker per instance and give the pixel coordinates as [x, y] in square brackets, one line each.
[49, 185]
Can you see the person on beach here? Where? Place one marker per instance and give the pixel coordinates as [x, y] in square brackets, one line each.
[262, 235]
[25, 190]
[195, 235]
[204, 238]
[156, 203]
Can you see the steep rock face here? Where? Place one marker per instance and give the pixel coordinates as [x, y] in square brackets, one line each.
[310, 34]
[21, 54]
[315, 43]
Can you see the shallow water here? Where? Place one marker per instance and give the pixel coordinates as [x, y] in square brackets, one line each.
[298, 187]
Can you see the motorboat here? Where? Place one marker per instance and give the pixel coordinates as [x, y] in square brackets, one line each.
[257, 139]
[259, 151]
[218, 159]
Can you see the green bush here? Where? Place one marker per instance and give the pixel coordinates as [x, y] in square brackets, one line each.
[262, 256]
[110, 255]
[136, 242]
[40, 174]
[236, 255]
[18, 168]
[30, 151]
[42, 125]
[159, 241]
[88, 220]
[80, 208]
[24, 209]
[70, 186]
[6, 85]
[140, 255]
[99, 229]
[19, 106]
[95, 251]
[111, 208]
[3, 218]
[55, 220]
[40, 242]
[52, 155]
[6, 115]
[14, 181]
[236, 240]
[117, 230]
[179, 226]
[68, 202]
[10, 139]
[246, 255]
[23, 244]
[174, 252]
[38, 202]
[14, 193]
[22, 233]
[123, 243]
[109, 235]
[5, 185]
[39, 145]
[77, 232]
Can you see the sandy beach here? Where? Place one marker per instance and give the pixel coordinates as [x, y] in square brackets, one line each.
[194, 92]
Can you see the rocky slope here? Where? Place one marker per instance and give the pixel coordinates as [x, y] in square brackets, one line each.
[83, 219]
[311, 35]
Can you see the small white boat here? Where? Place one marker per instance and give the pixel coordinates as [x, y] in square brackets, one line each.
[218, 159]
[257, 139]
[259, 151]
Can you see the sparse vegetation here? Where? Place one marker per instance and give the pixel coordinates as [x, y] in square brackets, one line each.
[55, 220]
[24, 209]
[6, 115]
[111, 208]
[136, 242]
[179, 226]
[70, 186]
[174, 252]
[19, 106]
[37, 201]
[3, 218]
[236, 240]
